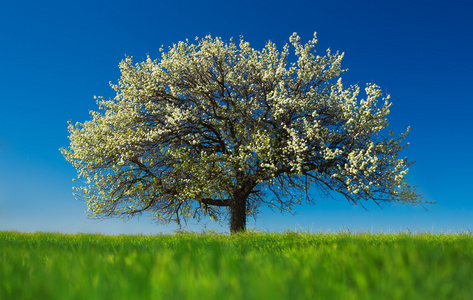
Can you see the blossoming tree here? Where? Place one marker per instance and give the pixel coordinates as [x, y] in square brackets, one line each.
[216, 129]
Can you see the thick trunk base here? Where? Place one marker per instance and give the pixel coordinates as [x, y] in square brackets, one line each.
[238, 216]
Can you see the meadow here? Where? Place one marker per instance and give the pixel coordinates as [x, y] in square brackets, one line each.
[251, 265]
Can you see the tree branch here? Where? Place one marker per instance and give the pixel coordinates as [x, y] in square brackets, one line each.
[214, 202]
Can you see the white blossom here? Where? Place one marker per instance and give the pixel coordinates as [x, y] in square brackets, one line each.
[206, 123]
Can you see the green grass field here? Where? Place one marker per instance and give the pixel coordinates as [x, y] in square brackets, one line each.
[247, 266]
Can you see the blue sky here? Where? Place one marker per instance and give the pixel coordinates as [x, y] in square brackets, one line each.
[56, 55]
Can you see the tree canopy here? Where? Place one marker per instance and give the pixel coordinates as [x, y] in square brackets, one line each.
[217, 129]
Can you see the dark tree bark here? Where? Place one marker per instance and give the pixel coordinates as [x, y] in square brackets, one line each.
[238, 214]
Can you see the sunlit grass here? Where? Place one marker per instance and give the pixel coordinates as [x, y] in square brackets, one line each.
[245, 266]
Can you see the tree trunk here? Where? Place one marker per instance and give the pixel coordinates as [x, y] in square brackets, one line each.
[238, 214]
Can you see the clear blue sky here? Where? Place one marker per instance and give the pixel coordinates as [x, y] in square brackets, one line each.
[56, 55]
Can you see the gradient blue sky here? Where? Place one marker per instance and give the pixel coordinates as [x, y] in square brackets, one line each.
[56, 55]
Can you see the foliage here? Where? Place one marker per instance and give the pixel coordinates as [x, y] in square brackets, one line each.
[239, 266]
[215, 127]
